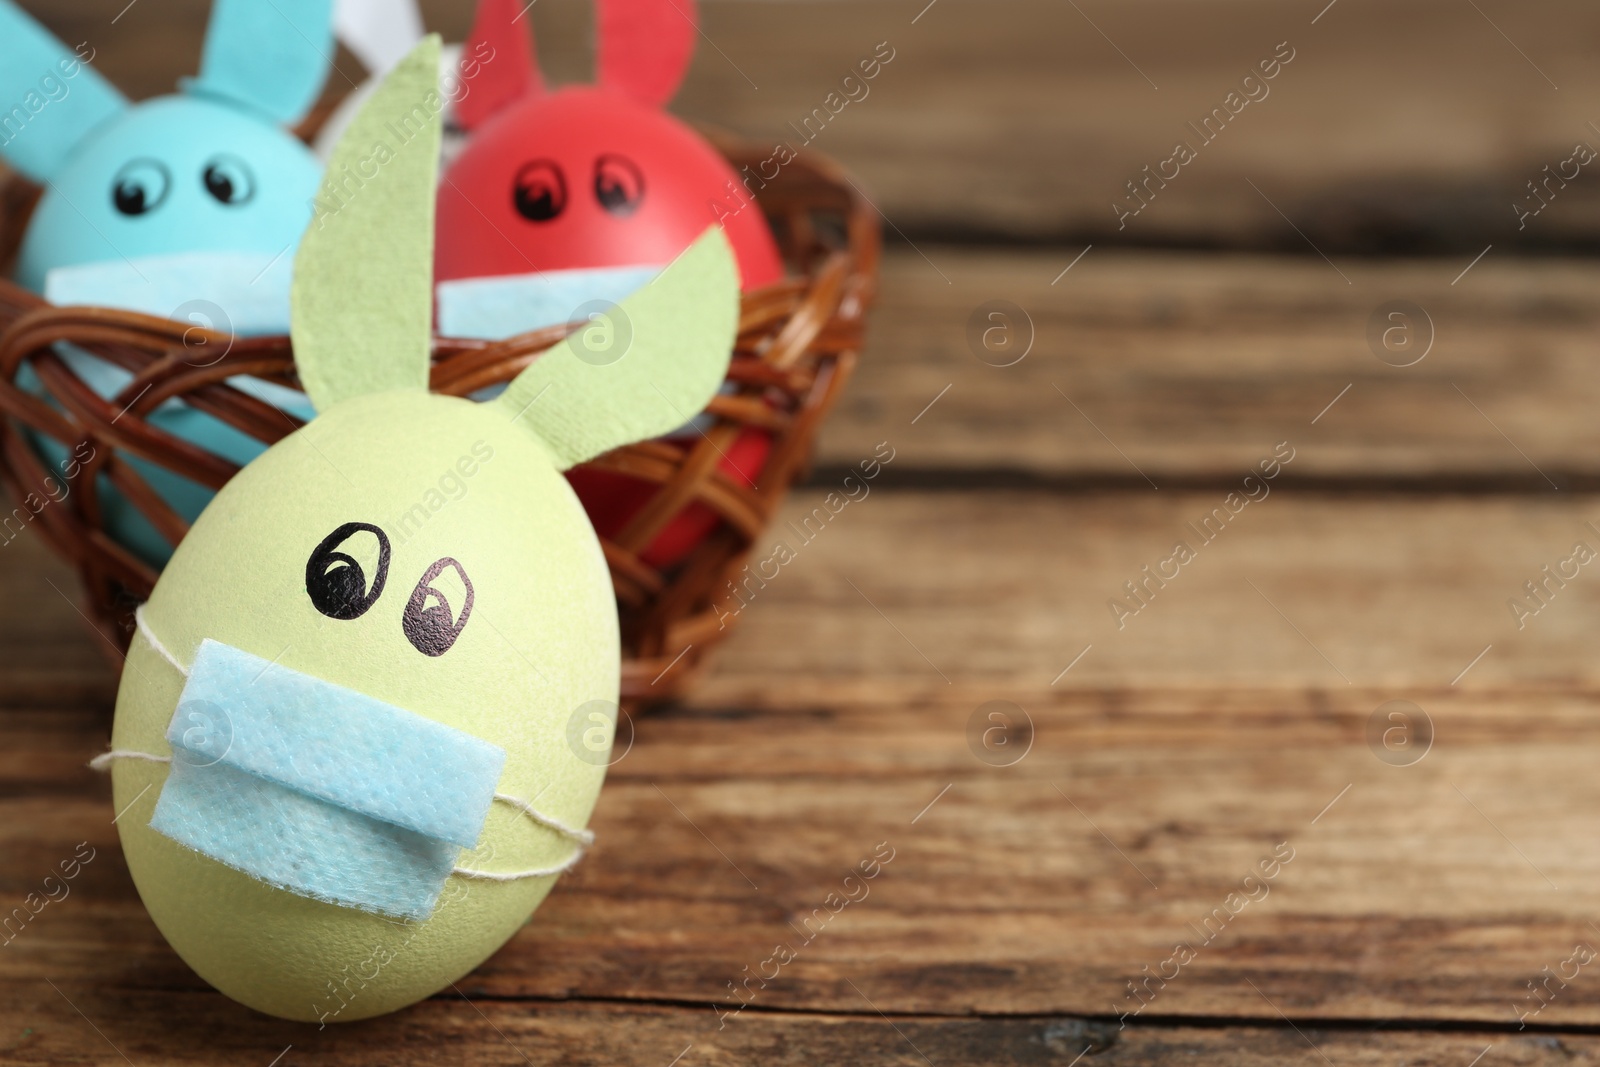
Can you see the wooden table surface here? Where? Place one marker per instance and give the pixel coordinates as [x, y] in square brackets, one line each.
[1433, 878]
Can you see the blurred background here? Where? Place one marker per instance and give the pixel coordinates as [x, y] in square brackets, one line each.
[1196, 260]
[1376, 265]
[1409, 127]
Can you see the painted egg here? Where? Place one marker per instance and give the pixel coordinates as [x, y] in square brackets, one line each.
[356, 737]
[533, 638]
[564, 201]
[186, 207]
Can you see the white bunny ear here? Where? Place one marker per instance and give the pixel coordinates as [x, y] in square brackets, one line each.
[271, 56]
[379, 32]
[55, 98]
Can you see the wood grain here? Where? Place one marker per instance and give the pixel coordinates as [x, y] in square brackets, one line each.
[1169, 752]
[908, 593]
[1039, 889]
[1188, 368]
[1414, 124]
[1002, 590]
[200, 1029]
[1430, 892]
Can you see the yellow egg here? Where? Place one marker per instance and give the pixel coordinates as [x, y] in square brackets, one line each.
[415, 563]
[540, 643]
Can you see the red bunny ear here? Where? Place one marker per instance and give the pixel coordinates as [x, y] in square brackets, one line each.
[500, 58]
[645, 46]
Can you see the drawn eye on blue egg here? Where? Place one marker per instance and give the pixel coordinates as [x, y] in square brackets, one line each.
[188, 206]
[229, 180]
[140, 187]
[127, 182]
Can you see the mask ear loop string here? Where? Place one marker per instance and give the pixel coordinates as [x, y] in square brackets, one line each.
[582, 839]
[103, 762]
[155, 642]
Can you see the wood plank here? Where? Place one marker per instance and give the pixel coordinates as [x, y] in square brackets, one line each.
[1191, 367]
[1001, 591]
[577, 1035]
[1016, 891]
[1165, 765]
[1416, 124]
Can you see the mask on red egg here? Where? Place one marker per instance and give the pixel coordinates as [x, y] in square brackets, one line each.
[568, 198]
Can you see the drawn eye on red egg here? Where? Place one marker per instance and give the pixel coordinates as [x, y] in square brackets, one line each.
[597, 178]
[566, 199]
[618, 184]
[539, 190]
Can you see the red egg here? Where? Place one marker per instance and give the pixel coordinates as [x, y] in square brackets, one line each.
[592, 177]
[588, 177]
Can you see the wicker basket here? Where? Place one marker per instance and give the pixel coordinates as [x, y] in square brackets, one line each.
[798, 343]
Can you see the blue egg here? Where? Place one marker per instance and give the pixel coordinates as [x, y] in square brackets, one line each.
[177, 174]
[187, 206]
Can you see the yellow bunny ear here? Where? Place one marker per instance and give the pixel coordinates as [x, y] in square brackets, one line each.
[362, 299]
[639, 369]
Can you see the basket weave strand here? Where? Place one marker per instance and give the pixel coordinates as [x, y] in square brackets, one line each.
[798, 342]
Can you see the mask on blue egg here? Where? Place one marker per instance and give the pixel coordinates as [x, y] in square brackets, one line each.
[188, 206]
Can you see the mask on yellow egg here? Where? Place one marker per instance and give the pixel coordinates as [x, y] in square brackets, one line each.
[341, 749]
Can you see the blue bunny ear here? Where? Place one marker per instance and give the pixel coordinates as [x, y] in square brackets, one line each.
[271, 57]
[55, 98]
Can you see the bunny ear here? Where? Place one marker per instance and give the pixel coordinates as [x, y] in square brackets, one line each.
[498, 64]
[270, 57]
[55, 97]
[362, 297]
[640, 369]
[379, 32]
[644, 46]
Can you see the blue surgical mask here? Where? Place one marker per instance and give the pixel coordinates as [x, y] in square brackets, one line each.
[246, 292]
[323, 791]
[319, 789]
[492, 309]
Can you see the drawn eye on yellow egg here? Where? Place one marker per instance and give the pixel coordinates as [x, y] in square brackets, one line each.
[348, 571]
[430, 623]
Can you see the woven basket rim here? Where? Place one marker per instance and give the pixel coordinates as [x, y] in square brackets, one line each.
[799, 336]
